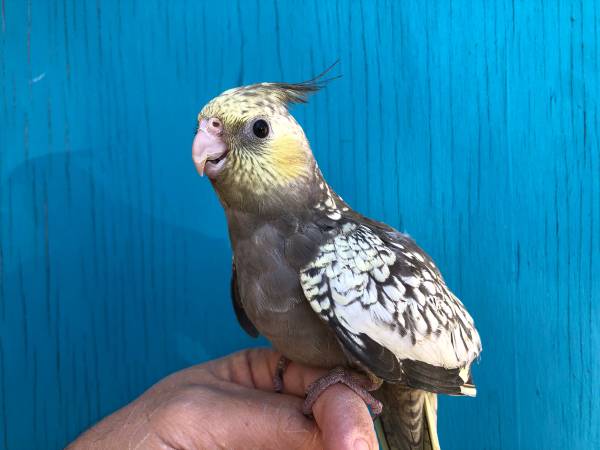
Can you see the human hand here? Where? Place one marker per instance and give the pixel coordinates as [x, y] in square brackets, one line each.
[229, 403]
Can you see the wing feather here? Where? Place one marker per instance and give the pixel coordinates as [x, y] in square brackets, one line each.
[240, 313]
[377, 288]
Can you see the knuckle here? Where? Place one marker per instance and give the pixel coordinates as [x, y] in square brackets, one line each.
[181, 406]
[180, 420]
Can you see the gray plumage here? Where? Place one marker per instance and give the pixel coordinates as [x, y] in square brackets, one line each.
[309, 279]
[327, 286]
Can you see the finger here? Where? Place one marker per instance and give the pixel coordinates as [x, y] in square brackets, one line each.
[297, 378]
[279, 423]
[255, 368]
[250, 368]
[344, 420]
[341, 415]
[262, 365]
[249, 418]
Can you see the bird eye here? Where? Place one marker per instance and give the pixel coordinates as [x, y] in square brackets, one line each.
[260, 128]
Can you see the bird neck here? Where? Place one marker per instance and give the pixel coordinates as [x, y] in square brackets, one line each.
[320, 204]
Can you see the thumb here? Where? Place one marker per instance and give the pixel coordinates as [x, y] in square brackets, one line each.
[344, 420]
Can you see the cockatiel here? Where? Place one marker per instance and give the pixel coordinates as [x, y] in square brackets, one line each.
[327, 286]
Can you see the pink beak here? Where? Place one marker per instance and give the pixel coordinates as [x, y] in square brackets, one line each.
[208, 149]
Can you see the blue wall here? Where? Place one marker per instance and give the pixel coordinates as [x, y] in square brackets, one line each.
[474, 126]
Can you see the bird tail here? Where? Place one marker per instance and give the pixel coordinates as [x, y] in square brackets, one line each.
[409, 419]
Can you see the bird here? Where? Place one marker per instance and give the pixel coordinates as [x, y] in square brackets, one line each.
[327, 286]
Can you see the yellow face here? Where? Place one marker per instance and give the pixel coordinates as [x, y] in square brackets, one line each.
[250, 146]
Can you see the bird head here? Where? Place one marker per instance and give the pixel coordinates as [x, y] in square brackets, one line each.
[252, 149]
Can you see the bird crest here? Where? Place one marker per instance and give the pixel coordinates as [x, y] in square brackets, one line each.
[271, 97]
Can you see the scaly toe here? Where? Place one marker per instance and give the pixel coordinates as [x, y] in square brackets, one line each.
[341, 375]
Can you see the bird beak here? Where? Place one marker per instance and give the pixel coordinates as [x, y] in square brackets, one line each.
[208, 149]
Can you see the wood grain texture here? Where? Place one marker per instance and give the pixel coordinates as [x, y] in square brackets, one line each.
[474, 126]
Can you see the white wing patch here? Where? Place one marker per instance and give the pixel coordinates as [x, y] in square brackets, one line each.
[391, 293]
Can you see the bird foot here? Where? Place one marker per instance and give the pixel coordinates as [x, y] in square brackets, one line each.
[360, 386]
[279, 370]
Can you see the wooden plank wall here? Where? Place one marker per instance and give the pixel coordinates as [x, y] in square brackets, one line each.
[472, 125]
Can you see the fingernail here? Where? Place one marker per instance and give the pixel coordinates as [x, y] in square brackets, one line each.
[361, 444]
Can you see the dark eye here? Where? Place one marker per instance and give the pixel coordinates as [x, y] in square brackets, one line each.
[260, 128]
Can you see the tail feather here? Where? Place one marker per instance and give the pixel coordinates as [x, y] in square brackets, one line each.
[409, 419]
[457, 381]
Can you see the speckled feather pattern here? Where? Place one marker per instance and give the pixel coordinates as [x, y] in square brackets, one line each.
[319, 280]
[391, 292]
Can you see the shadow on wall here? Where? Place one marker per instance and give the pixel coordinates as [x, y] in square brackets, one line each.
[107, 294]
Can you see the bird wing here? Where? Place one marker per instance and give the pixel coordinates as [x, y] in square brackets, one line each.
[238, 307]
[391, 308]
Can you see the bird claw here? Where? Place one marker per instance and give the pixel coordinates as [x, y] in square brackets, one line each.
[360, 386]
[278, 377]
